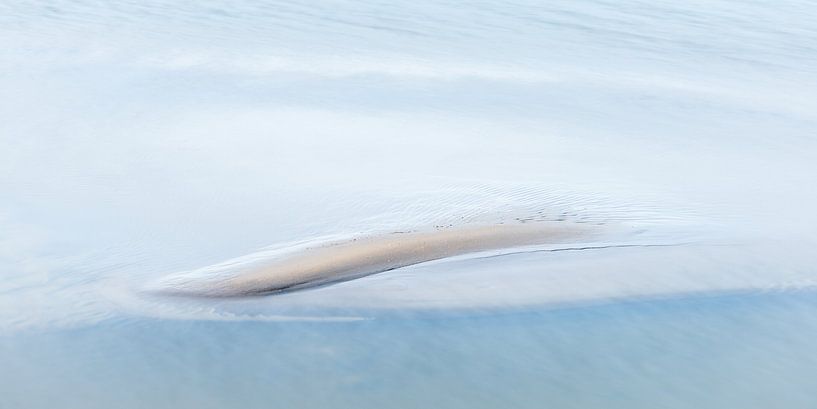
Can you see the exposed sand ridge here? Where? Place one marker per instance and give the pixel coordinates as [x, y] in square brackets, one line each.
[342, 260]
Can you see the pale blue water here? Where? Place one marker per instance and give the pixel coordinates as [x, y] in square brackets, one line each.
[753, 352]
[141, 139]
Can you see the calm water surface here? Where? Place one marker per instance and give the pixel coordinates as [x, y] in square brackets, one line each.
[141, 139]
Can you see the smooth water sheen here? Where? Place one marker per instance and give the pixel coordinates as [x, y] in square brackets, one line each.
[399, 168]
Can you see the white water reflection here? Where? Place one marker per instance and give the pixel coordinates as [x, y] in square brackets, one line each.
[142, 139]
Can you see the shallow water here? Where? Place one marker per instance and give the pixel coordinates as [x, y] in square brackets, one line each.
[147, 139]
[748, 351]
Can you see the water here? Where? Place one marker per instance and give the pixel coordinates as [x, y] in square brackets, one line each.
[748, 352]
[144, 139]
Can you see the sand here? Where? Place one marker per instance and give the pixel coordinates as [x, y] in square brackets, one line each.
[342, 260]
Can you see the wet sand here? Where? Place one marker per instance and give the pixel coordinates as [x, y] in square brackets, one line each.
[342, 260]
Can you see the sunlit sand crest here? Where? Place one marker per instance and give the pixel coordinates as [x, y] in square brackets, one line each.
[341, 260]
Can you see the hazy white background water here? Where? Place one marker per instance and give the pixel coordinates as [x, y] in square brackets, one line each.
[145, 138]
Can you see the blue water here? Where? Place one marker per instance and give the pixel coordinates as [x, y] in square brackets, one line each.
[752, 352]
[142, 139]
